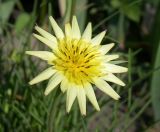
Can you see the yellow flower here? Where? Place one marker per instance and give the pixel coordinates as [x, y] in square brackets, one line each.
[77, 62]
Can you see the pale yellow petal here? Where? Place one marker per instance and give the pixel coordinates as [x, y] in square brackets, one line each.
[110, 57]
[54, 81]
[91, 95]
[87, 34]
[64, 85]
[49, 43]
[106, 88]
[43, 76]
[71, 96]
[58, 31]
[44, 55]
[75, 29]
[68, 30]
[105, 48]
[46, 34]
[82, 100]
[114, 68]
[112, 78]
[98, 38]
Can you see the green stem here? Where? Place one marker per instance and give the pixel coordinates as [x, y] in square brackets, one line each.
[115, 114]
[84, 124]
[105, 20]
[112, 39]
[50, 119]
[138, 114]
[53, 111]
[68, 12]
[129, 77]
[121, 35]
[114, 14]
[43, 11]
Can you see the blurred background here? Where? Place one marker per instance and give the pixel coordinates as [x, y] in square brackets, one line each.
[134, 25]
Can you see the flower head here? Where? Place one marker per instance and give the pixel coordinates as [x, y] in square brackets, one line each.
[77, 62]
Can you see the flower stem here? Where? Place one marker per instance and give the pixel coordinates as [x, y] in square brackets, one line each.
[53, 111]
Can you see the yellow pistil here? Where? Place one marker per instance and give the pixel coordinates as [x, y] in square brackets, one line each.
[78, 60]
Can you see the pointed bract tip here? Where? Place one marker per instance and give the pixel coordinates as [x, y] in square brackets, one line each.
[74, 17]
[123, 84]
[67, 110]
[98, 109]
[111, 45]
[31, 83]
[50, 17]
[105, 30]
[118, 98]
[83, 114]
[103, 33]
[36, 27]
[46, 93]
[90, 24]
[26, 52]
[34, 34]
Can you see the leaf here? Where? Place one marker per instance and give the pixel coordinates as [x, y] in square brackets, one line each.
[155, 81]
[78, 8]
[5, 10]
[133, 12]
[81, 12]
[116, 3]
[155, 86]
[130, 10]
[66, 10]
[22, 21]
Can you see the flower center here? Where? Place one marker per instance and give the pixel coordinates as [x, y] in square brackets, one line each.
[78, 60]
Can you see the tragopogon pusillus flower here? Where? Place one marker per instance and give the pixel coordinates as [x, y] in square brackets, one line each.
[77, 62]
